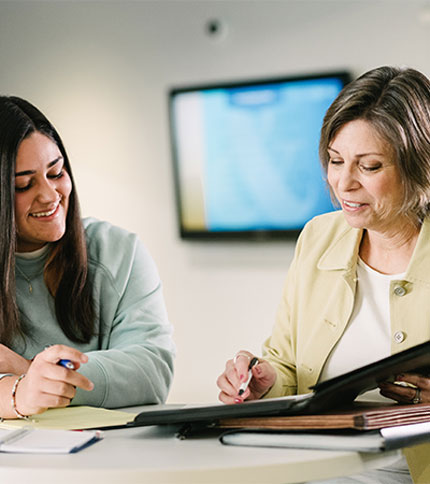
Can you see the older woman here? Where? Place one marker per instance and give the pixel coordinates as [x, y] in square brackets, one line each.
[82, 316]
[358, 288]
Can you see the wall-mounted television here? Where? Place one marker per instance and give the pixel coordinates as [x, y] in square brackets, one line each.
[245, 155]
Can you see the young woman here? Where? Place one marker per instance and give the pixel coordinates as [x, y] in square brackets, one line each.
[70, 289]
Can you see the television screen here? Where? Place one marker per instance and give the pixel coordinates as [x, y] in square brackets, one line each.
[246, 155]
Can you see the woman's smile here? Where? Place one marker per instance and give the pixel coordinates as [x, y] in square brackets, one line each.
[42, 190]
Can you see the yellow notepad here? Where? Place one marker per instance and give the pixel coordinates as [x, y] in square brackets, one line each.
[72, 418]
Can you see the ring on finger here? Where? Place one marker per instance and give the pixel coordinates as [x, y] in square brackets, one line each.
[241, 353]
[417, 397]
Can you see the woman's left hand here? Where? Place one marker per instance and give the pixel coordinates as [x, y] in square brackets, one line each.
[407, 394]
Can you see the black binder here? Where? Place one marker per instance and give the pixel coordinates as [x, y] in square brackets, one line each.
[330, 394]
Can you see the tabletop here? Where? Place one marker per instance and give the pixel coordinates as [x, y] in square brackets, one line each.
[154, 455]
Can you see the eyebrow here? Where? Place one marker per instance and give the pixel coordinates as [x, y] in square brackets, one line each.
[32, 172]
[359, 155]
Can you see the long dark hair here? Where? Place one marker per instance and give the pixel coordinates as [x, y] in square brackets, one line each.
[396, 102]
[66, 269]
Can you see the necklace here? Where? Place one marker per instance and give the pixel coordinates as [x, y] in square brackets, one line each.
[30, 286]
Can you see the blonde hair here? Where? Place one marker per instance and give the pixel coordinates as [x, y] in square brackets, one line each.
[396, 102]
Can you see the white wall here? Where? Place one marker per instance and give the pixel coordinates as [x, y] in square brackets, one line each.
[100, 70]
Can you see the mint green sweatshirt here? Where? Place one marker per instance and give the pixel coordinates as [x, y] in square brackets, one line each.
[131, 357]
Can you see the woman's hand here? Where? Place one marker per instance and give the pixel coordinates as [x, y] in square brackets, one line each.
[236, 372]
[420, 393]
[11, 362]
[49, 385]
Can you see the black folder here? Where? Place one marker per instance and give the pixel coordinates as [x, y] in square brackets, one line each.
[330, 394]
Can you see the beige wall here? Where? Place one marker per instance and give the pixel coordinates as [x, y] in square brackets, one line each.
[100, 70]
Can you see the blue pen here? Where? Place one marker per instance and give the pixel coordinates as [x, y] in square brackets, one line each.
[67, 364]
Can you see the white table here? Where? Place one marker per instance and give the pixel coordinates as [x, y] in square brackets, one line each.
[154, 455]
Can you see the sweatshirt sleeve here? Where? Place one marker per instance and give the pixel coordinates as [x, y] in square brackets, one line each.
[134, 364]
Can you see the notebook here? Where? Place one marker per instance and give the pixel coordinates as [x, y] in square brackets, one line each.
[28, 440]
[389, 438]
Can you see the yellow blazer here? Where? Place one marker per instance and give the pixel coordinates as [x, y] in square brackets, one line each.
[317, 302]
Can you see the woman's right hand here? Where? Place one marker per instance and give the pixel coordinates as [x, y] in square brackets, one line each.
[49, 385]
[236, 372]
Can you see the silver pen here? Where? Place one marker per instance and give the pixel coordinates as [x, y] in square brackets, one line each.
[245, 384]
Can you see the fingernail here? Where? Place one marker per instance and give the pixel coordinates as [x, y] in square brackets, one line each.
[237, 400]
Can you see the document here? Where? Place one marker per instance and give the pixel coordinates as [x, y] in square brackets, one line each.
[72, 418]
[370, 441]
[28, 440]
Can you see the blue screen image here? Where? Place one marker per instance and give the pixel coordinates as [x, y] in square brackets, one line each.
[261, 169]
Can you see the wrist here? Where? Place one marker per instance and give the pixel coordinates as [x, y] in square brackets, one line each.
[24, 366]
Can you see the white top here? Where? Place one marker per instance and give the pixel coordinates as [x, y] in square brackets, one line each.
[34, 254]
[367, 337]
